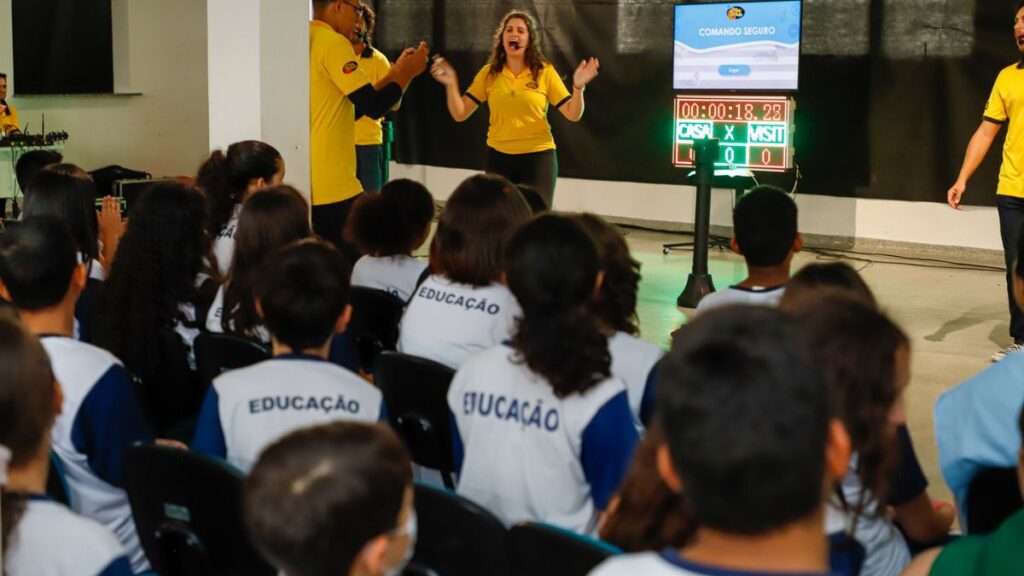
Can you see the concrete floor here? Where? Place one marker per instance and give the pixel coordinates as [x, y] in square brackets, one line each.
[955, 320]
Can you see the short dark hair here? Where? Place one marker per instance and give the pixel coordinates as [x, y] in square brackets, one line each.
[3, 75]
[477, 222]
[68, 193]
[393, 222]
[536, 202]
[746, 417]
[764, 223]
[316, 497]
[37, 259]
[30, 163]
[302, 290]
[370, 17]
[826, 276]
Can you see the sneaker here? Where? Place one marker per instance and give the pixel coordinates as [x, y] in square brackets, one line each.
[1016, 347]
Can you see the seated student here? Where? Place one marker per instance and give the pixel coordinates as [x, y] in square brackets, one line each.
[543, 431]
[29, 164]
[921, 519]
[39, 535]
[227, 178]
[463, 307]
[990, 555]
[749, 445]
[334, 500]
[387, 228]
[633, 359]
[159, 280]
[100, 416]
[865, 358]
[975, 422]
[67, 193]
[270, 219]
[302, 295]
[765, 234]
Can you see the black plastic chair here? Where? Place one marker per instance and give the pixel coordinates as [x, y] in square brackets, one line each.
[992, 497]
[416, 395]
[456, 537]
[218, 353]
[188, 512]
[544, 550]
[374, 324]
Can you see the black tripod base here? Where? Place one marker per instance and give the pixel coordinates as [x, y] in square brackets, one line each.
[697, 287]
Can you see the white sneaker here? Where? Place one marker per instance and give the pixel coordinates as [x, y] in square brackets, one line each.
[1016, 347]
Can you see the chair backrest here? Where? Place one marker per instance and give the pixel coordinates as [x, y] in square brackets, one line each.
[993, 496]
[544, 550]
[416, 395]
[218, 353]
[375, 318]
[56, 482]
[456, 537]
[188, 512]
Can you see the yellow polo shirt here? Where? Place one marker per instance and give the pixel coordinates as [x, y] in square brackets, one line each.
[519, 107]
[1006, 106]
[368, 130]
[7, 122]
[334, 73]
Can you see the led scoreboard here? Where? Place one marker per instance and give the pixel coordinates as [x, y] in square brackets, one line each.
[755, 133]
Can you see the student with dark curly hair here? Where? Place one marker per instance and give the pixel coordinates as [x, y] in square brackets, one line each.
[387, 228]
[543, 431]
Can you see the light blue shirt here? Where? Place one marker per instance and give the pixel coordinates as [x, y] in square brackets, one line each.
[976, 424]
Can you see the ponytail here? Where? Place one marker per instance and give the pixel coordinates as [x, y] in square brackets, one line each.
[225, 176]
[213, 181]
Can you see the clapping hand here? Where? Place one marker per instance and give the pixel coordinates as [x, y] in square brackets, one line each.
[585, 72]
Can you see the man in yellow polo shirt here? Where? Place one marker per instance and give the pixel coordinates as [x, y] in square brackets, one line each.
[1004, 106]
[8, 115]
[338, 88]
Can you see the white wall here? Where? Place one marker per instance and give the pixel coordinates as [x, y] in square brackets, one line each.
[162, 131]
[886, 220]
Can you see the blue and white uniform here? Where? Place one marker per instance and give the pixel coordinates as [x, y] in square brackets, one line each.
[100, 419]
[448, 322]
[224, 243]
[756, 296]
[213, 319]
[633, 362]
[50, 540]
[247, 409]
[396, 275]
[669, 563]
[85, 307]
[526, 454]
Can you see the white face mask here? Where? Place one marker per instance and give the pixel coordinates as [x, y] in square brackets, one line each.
[408, 529]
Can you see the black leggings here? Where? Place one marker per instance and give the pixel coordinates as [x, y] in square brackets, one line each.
[329, 223]
[538, 169]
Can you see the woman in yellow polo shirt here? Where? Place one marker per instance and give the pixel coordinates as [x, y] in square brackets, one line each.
[519, 85]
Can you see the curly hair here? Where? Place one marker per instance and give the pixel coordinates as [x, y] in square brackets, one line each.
[535, 59]
[270, 218]
[616, 302]
[163, 251]
[858, 348]
[558, 336]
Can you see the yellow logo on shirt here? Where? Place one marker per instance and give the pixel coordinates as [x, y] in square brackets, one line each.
[350, 67]
[531, 86]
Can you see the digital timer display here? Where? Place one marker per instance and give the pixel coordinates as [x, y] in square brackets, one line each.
[753, 133]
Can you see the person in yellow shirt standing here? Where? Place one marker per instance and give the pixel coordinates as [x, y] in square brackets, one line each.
[1004, 106]
[519, 85]
[8, 115]
[369, 131]
[338, 88]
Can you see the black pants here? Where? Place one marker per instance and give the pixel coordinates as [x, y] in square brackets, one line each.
[1011, 218]
[538, 169]
[329, 223]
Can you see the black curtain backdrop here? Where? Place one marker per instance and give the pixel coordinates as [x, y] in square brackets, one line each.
[890, 90]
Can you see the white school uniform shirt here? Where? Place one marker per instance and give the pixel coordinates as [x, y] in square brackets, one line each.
[448, 322]
[213, 319]
[396, 275]
[224, 243]
[756, 296]
[526, 454]
[100, 419]
[669, 563]
[248, 409]
[633, 362]
[50, 540]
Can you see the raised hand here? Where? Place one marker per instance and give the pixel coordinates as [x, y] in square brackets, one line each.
[585, 72]
[443, 72]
